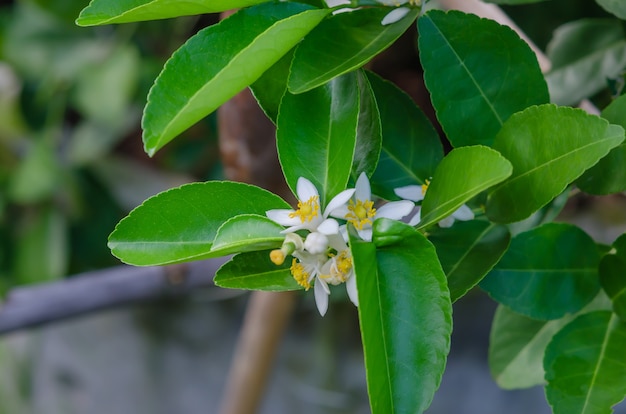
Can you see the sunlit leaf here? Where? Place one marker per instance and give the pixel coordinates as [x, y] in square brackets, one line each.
[255, 271]
[247, 232]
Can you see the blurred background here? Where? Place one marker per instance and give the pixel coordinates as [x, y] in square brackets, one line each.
[72, 165]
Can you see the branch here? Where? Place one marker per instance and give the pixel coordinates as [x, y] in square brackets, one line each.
[31, 306]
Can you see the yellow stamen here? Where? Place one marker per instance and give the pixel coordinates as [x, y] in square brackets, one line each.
[307, 210]
[360, 213]
[425, 186]
[299, 274]
[344, 264]
[277, 257]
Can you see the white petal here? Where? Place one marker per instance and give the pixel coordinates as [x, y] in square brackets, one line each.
[338, 200]
[365, 234]
[410, 192]
[463, 213]
[351, 289]
[316, 243]
[363, 190]
[416, 218]
[328, 227]
[340, 212]
[395, 15]
[281, 216]
[343, 10]
[321, 297]
[337, 241]
[447, 222]
[395, 210]
[305, 189]
[335, 3]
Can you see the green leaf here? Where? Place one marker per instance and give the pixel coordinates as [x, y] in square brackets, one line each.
[549, 148]
[584, 54]
[613, 280]
[180, 225]
[342, 43]
[317, 133]
[467, 251]
[220, 61]
[269, 89]
[585, 365]
[464, 59]
[546, 272]
[406, 321]
[609, 174]
[616, 7]
[247, 232]
[124, 11]
[369, 131]
[255, 271]
[462, 174]
[411, 149]
[513, 1]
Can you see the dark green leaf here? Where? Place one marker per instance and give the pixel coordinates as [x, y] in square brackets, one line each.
[549, 148]
[317, 133]
[468, 251]
[546, 272]
[585, 365]
[613, 280]
[269, 89]
[405, 315]
[180, 224]
[342, 43]
[247, 232]
[220, 61]
[478, 73]
[255, 271]
[369, 133]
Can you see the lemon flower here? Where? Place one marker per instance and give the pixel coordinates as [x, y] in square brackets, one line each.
[417, 193]
[360, 211]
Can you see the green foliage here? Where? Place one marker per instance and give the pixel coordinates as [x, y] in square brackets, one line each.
[254, 271]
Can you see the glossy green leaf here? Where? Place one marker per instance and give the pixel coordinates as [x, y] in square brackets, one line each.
[269, 89]
[513, 1]
[463, 173]
[369, 134]
[342, 43]
[220, 61]
[390, 232]
[609, 174]
[585, 365]
[546, 272]
[478, 73]
[124, 11]
[247, 232]
[549, 147]
[613, 280]
[584, 54]
[411, 149]
[255, 271]
[616, 7]
[406, 321]
[467, 251]
[316, 135]
[180, 225]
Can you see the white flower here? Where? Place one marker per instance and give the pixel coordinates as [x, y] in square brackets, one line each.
[395, 15]
[417, 193]
[360, 211]
[308, 216]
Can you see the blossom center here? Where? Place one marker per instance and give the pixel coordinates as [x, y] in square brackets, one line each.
[307, 210]
[300, 274]
[425, 186]
[360, 213]
[344, 264]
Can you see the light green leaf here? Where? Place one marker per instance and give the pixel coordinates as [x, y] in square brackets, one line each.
[585, 365]
[316, 135]
[549, 148]
[584, 54]
[406, 321]
[124, 11]
[411, 148]
[467, 251]
[220, 61]
[478, 73]
[463, 173]
[546, 272]
[616, 7]
[180, 224]
[247, 232]
[342, 43]
[255, 271]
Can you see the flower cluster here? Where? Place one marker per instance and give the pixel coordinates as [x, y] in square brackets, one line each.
[392, 17]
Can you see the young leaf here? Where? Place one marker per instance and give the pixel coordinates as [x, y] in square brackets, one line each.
[342, 43]
[549, 148]
[546, 272]
[464, 59]
[317, 133]
[180, 225]
[609, 174]
[467, 251]
[585, 365]
[255, 271]
[406, 321]
[411, 149]
[247, 232]
[584, 54]
[218, 62]
[462, 174]
[369, 133]
[617, 7]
